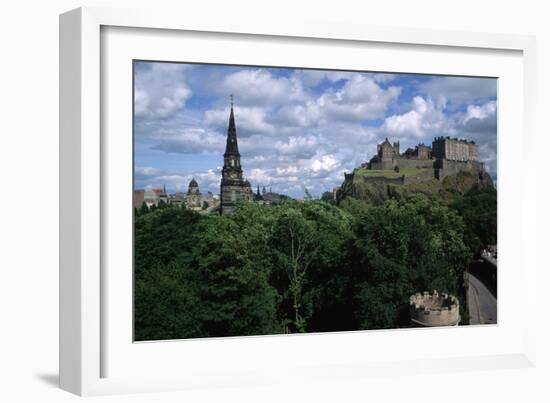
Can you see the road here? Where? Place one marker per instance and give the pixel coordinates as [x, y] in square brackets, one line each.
[481, 303]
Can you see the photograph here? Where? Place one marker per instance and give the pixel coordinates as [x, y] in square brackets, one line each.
[286, 200]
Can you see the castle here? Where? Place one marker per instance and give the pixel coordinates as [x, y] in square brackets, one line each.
[446, 156]
[234, 188]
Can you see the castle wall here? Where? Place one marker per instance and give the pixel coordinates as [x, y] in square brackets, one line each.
[444, 168]
[384, 164]
[414, 163]
[391, 163]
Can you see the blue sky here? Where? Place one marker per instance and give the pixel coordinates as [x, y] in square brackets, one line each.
[296, 128]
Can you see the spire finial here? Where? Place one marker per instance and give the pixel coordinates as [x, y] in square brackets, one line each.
[231, 98]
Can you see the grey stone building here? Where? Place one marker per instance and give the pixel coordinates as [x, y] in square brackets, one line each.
[234, 188]
[455, 149]
[386, 155]
[193, 199]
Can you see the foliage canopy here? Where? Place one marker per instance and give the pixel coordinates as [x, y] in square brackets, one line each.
[306, 266]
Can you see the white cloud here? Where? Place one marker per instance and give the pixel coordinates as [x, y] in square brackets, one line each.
[189, 141]
[160, 90]
[480, 112]
[299, 147]
[460, 90]
[360, 99]
[312, 78]
[424, 119]
[325, 163]
[248, 120]
[260, 88]
[303, 115]
[382, 77]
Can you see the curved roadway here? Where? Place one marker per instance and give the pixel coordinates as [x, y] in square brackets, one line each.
[481, 303]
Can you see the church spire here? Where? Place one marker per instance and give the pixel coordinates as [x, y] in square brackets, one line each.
[233, 188]
[231, 148]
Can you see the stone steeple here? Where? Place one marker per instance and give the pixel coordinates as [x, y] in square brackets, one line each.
[232, 147]
[233, 187]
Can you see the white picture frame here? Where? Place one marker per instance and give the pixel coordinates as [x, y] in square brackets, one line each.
[86, 345]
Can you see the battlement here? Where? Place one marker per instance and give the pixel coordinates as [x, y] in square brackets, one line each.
[434, 309]
[443, 138]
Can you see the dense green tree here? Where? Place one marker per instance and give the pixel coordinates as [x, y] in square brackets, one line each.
[308, 243]
[403, 247]
[166, 304]
[231, 257]
[329, 279]
[295, 266]
[161, 236]
[328, 197]
[478, 208]
[295, 248]
[142, 210]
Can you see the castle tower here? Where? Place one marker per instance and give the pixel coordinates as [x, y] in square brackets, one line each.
[428, 310]
[233, 187]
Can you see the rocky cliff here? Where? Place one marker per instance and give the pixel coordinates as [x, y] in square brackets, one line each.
[378, 186]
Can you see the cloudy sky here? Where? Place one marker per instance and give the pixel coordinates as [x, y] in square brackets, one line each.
[296, 128]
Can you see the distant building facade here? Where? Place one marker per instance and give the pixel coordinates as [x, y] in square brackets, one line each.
[150, 197]
[233, 188]
[193, 199]
[455, 149]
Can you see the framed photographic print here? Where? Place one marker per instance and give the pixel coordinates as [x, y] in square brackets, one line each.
[240, 201]
[286, 225]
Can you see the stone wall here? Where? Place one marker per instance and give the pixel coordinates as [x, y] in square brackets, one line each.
[402, 163]
[414, 163]
[445, 167]
[382, 165]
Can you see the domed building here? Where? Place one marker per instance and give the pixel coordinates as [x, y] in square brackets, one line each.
[193, 200]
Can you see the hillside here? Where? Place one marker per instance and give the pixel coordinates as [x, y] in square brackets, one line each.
[377, 186]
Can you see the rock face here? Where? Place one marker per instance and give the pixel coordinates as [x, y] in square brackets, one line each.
[376, 187]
